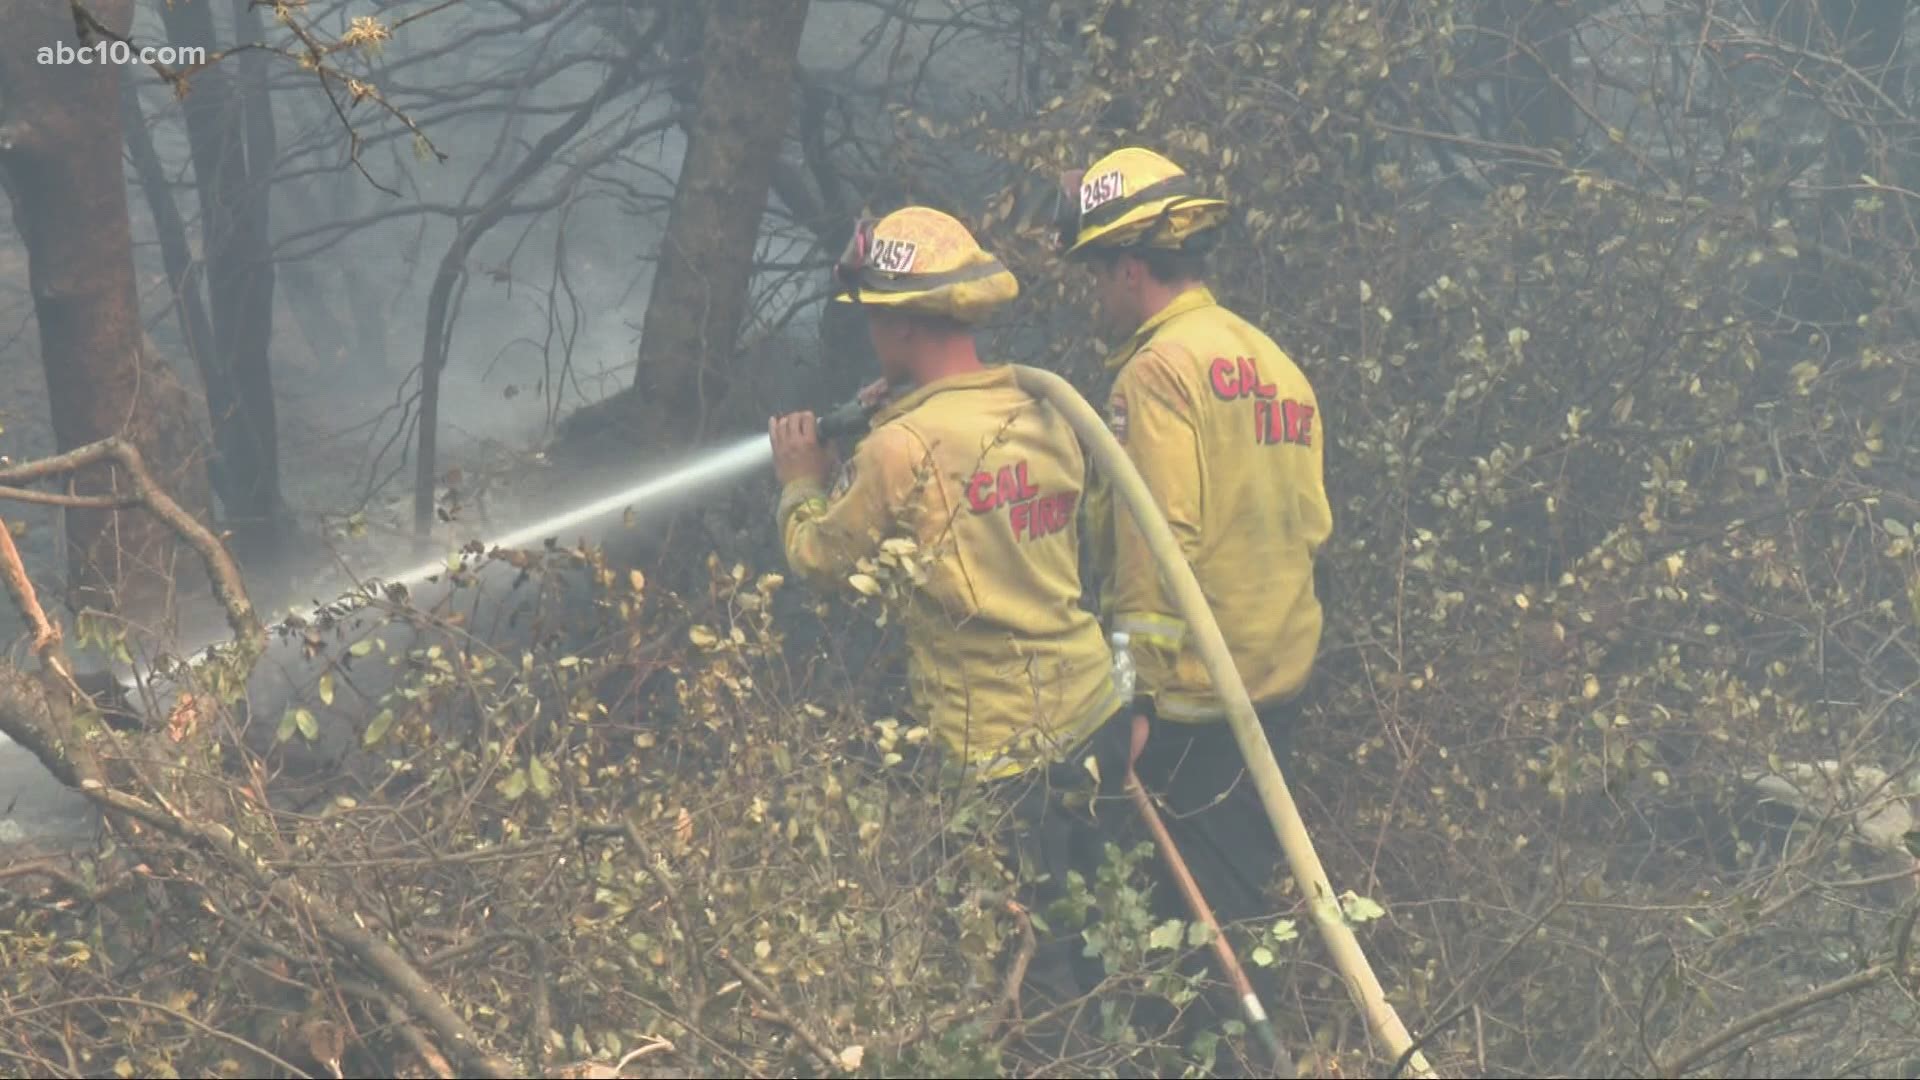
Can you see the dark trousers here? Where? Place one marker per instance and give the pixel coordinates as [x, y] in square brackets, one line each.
[1050, 839]
[1204, 793]
[1200, 785]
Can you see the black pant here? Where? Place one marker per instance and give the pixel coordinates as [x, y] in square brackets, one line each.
[1050, 839]
[1200, 785]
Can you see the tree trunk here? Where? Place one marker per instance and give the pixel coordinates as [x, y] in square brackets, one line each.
[176, 255]
[60, 159]
[749, 50]
[230, 136]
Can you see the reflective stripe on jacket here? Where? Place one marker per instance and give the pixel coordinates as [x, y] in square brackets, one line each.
[1006, 669]
[1228, 435]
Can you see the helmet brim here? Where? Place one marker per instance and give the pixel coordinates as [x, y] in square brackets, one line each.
[1102, 237]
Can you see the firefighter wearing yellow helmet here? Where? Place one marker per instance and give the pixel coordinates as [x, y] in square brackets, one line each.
[1229, 437]
[1006, 669]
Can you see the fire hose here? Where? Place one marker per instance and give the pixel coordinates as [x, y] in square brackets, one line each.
[1363, 986]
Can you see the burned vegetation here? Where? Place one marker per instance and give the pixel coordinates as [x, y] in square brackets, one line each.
[1609, 309]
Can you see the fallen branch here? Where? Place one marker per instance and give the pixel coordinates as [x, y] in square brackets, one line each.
[769, 1009]
[16, 1015]
[694, 970]
[69, 502]
[1017, 971]
[228, 587]
[1852, 984]
[46, 633]
[378, 957]
[416, 1040]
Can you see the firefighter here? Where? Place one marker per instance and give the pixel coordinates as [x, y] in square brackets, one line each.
[1228, 435]
[1006, 669]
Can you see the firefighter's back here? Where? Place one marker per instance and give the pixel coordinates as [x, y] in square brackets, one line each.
[1263, 499]
[1001, 648]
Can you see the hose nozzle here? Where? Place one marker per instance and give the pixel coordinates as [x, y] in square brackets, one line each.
[848, 420]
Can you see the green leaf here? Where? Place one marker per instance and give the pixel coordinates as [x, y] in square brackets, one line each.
[1284, 931]
[1262, 956]
[309, 727]
[361, 647]
[286, 729]
[326, 688]
[1358, 908]
[515, 784]
[1167, 935]
[541, 778]
[1198, 934]
[378, 729]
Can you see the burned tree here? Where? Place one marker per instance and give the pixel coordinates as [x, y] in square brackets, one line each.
[230, 133]
[60, 161]
[748, 54]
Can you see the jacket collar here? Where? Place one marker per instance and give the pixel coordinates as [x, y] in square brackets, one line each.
[1192, 299]
[986, 378]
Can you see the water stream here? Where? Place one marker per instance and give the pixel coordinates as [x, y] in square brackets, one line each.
[712, 467]
[21, 776]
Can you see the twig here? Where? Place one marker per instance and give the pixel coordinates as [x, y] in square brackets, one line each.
[1473, 981]
[410, 1032]
[46, 868]
[423, 1047]
[1016, 971]
[694, 972]
[770, 1010]
[371, 951]
[228, 586]
[537, 971]
[46, 633]
[1852, 984]
[71, 502]
[190, 1020]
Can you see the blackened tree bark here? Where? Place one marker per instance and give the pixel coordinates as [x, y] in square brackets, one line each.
[748, 55]
[60, 161]
[824, 201]
[176, 255]
[230, 136]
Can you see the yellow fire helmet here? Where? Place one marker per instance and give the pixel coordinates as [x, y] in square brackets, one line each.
[1134, 198]
[920, 260]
